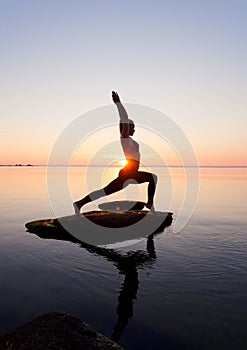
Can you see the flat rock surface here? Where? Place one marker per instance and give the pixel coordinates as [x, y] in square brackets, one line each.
[102, 218]
[99, 227]
[55, 331]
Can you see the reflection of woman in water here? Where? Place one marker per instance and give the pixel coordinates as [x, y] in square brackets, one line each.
[130, 172]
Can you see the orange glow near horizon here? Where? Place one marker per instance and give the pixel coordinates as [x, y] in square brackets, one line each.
[204, 159]
[123, 162]
[92, 152]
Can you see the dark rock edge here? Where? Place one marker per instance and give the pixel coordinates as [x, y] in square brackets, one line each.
[53, 331]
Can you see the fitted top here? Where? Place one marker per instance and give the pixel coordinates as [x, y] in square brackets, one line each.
[130, 147]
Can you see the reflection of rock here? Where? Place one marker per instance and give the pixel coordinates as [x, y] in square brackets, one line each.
[55, 331]
[95, 227]
[127, 265]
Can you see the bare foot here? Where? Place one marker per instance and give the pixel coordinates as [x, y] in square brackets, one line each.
[77, 210]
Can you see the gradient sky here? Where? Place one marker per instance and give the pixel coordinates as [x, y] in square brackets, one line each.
[62, 58]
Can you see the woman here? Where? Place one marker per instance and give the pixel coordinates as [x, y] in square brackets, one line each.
[130, 172]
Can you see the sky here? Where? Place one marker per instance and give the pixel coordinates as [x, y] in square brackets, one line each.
[60, 59]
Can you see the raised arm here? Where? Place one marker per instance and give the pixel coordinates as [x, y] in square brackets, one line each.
[121, 110]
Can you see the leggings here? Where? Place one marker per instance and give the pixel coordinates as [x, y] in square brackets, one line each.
[125, 178]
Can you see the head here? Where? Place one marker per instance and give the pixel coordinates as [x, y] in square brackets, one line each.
[131, 127]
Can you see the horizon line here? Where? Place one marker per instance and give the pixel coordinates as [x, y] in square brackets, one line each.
[119, 166]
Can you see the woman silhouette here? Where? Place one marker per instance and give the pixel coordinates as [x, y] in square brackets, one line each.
[130, 173]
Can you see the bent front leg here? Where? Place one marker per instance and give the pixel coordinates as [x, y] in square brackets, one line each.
[143, 176]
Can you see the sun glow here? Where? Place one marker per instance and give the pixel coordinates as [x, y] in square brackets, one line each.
[123, 162]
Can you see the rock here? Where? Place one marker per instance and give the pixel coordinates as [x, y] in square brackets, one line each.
[55, 331]
[122, 206]
[99, 227]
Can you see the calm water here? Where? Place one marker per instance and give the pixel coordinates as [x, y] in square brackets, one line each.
[179, 291]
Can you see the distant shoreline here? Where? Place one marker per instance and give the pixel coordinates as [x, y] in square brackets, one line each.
[119, 166]
[17, 165]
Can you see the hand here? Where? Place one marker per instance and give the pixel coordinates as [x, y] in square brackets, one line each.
[115, 97]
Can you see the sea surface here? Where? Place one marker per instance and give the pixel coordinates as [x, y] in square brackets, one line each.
[184, 290]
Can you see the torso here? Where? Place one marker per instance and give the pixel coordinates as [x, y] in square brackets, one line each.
[131, 149]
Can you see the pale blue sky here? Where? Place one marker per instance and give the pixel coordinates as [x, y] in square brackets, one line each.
[62, 58]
